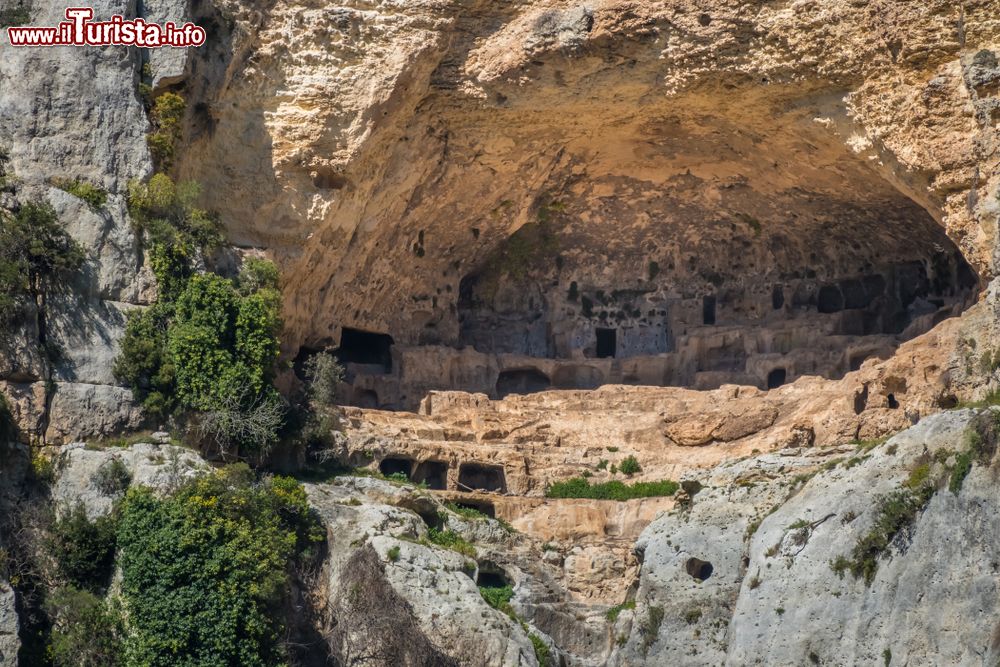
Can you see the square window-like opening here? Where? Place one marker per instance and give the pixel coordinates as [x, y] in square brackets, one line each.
[606, 343]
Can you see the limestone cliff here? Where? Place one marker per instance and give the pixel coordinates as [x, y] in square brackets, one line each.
[741, 242]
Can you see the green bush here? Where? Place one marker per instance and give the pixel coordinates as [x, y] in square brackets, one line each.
[895, 512]
[143, 362]
[650, 626]
[499, 598]
[212, 350]
[85, 630]
[629, 466]
[83, 550]
[323, 374]
[112, 478]
[613, 613]
[449, 539]
[579, 487]
[467, 512]
[95, 197]
[15, 15]
[36, 256]
[257, 274]
[205, 571]
[167, 116]
[542, 652]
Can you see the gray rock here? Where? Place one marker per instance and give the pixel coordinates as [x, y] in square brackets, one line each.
[773, 598]
[430, 590]
[161, 467]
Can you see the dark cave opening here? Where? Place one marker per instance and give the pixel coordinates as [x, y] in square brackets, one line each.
[699, 569]
[492, 578]
[521, 381]
[776, 378]
[708, 310]
[365, 348]
[481, 477]
[432, 473]
[761, 267]
[395, 465]
[606, 343]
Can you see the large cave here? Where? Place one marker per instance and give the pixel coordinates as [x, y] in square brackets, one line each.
[688, 250]
[733, 236]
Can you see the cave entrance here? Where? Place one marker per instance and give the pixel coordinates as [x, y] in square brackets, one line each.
[396, 465]
[763, 257]
[432, 473]
[606, 343]
[492, 577]
[699, 569]
[522, 381]
[366, 349]
[708, 310]
[481, 477]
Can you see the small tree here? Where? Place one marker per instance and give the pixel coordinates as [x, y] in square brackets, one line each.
[323, 374]
[248, 424]
[630, 466]
[36, 253]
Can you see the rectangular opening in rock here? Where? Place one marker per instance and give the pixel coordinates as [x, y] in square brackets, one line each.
[606, 343]
[481, 477]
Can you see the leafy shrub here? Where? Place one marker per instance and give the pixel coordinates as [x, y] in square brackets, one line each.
[112, 478]
[36, 255]
[466, 512]
[323, 374]
[650, 626]
[542, 652]
[205, 571]
[167, 116]
[83, 550]
[449, 539]
[143, 362]
[85, 630]
[613, 613]
[175, 230]
[393, 553]
[579, 487]
[895, 512]
[15, 15]
[257, 274]
[629, 466]
[499, 598]
[963, 465]
[95, 197]
[212, 350]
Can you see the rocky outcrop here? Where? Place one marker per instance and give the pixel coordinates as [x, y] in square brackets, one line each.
[770, 530]
[72, 113]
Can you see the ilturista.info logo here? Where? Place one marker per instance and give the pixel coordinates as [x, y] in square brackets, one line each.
[80, 30]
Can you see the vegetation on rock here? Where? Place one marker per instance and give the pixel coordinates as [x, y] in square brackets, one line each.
[205, 571]
[579, 487]
[95, 197]
[36, 256]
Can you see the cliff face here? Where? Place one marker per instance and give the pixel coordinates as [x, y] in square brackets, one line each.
[398, 145]
[734, 236]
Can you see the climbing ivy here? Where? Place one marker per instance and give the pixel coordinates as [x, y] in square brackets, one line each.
[205, 571]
